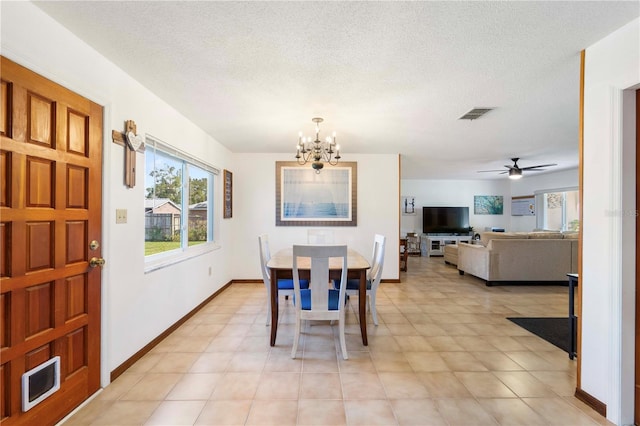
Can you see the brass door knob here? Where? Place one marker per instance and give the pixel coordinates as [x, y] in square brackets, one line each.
[96, 261]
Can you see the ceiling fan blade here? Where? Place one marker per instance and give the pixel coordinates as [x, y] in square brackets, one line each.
[517, 169]
[537, 167]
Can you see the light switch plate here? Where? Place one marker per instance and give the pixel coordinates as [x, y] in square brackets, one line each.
[121, 215]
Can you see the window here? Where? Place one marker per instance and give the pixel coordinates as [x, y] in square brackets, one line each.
[558, 210]
[178, 203]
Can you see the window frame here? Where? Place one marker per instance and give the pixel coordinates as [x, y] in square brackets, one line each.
[185, 251]
[541, 217]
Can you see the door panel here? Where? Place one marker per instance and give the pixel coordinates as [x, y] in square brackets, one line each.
[50, 208]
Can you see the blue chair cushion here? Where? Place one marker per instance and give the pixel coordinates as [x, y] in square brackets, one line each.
[287, 284]
[305, 295]
[352, 284]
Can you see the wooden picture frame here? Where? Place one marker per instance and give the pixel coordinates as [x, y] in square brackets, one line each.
[227, 205]
[307, 198]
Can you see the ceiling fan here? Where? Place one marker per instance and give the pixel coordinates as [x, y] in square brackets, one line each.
[515, 171]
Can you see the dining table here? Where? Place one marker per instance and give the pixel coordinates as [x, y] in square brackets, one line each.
[281, 266]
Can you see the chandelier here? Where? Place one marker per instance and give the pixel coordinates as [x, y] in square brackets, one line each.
[317, 151]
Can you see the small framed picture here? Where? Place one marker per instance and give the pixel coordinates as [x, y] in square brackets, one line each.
[408, 205]
[228, 194]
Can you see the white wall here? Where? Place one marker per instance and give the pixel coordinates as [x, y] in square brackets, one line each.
[612, 65]
[137, 307]
[254, 208]
[460, 193]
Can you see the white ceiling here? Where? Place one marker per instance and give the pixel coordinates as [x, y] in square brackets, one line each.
[388, 77]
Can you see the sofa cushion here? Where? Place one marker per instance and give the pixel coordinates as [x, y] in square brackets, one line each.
[545, 235]
[485, 237]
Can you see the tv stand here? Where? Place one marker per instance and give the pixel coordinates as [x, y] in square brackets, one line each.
[433, 244]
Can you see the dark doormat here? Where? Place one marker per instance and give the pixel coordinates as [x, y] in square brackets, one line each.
[553, 330]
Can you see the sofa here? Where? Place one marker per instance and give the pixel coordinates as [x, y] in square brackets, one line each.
[450, 254]
[520, 257]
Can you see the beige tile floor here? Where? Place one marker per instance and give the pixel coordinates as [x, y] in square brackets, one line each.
[443, 354]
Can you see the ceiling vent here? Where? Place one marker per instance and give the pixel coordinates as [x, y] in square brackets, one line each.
[475, 113]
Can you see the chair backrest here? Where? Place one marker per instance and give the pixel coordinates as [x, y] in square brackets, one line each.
[319, 279]
[320, 236]
[265, 256]
[377, 262]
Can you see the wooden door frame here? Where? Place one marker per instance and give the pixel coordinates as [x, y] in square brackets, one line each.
[636, 415]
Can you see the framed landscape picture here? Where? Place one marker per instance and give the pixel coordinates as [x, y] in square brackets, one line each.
[307, 198]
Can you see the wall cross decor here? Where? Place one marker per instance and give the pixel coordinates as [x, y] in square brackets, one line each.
[132, 142]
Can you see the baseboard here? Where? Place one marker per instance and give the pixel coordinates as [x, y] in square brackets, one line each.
[391, 280]
[142, 352]
[532, 283]
[599, 406]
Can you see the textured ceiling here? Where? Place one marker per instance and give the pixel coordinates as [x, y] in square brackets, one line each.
[388, 77]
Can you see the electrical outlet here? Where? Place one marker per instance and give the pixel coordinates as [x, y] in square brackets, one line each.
[121, 215]
[209, 270]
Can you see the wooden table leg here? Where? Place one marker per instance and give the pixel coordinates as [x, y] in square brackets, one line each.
[274, 306]
[362, 306]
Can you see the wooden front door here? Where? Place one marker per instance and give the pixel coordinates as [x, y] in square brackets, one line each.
[50, 211]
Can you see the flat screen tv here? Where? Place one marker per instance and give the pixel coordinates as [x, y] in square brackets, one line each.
[445, 220]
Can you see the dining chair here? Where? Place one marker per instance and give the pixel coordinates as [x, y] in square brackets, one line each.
[320, 236]
[319, 301]
[374, 276]
[404, 254]
[285, 286]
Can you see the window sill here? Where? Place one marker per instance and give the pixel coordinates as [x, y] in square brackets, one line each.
[164, 260]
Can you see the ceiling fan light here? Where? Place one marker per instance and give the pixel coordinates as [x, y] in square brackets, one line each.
[515, 174]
